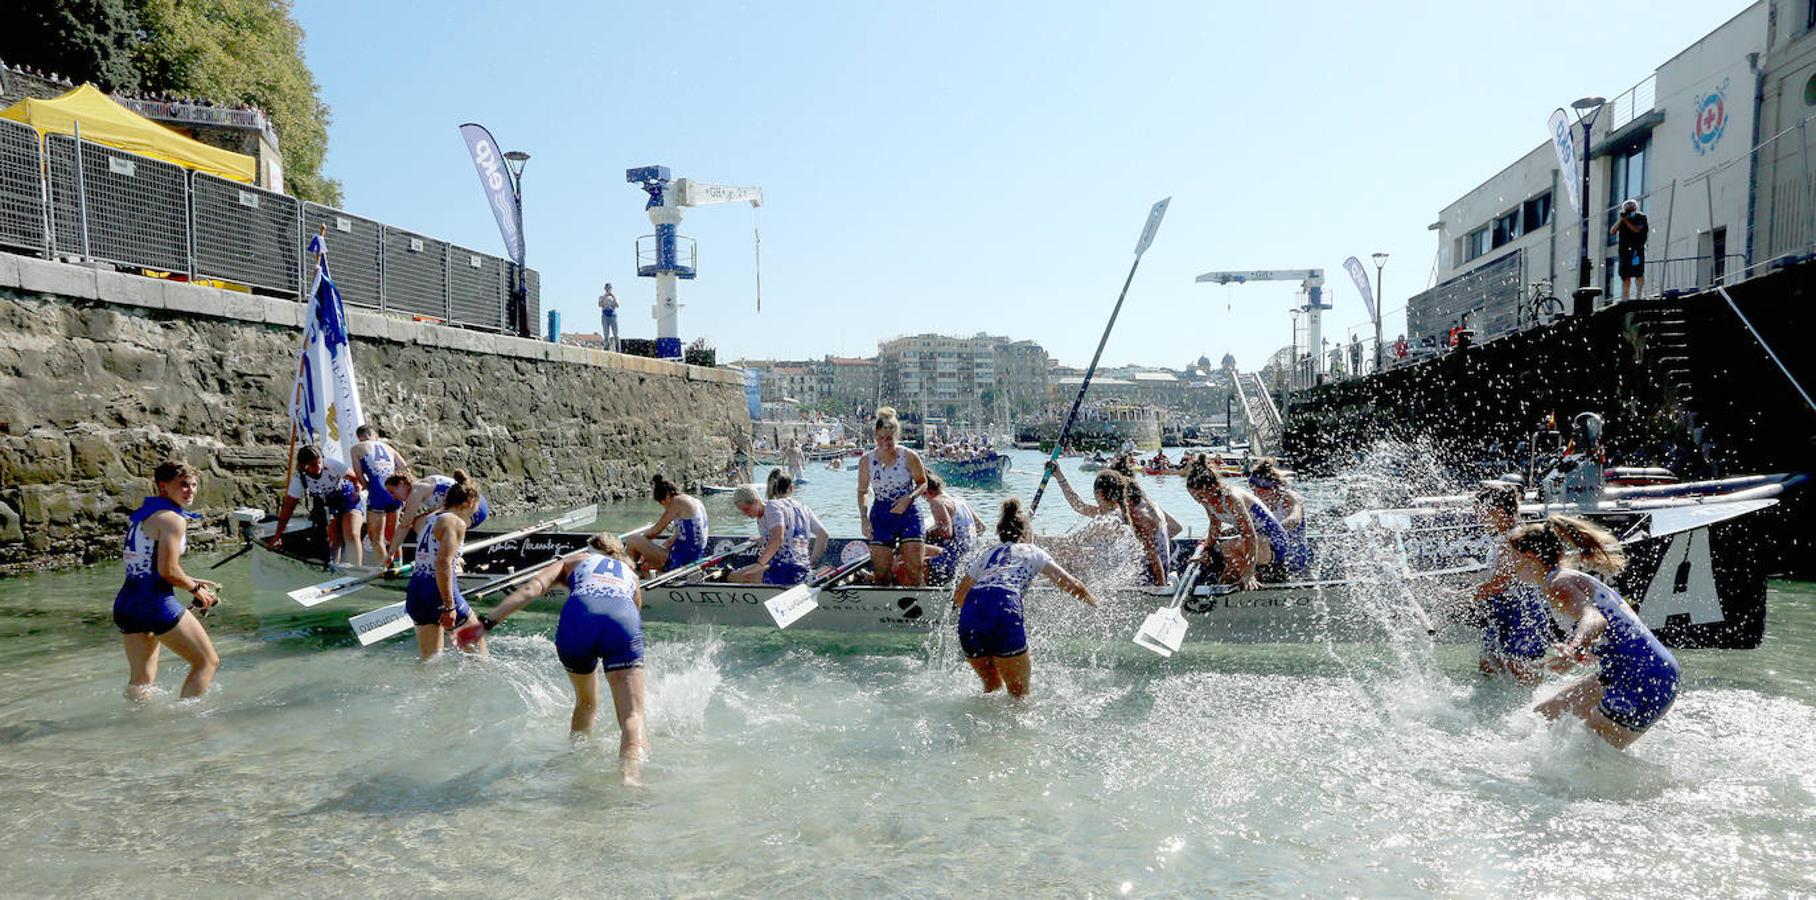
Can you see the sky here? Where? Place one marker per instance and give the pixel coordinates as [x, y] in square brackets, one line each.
[969, 167]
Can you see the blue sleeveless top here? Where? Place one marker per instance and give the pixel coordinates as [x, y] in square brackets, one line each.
[602, 585]
[140, 554]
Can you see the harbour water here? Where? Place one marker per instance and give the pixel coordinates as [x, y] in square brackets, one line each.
[802, 763]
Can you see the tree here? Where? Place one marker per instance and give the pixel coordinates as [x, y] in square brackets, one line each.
[84, 40]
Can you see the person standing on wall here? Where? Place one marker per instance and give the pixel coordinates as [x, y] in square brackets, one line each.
[608, 319]
[1630, 238]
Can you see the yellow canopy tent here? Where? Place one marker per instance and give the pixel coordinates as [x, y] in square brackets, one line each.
[106, 122]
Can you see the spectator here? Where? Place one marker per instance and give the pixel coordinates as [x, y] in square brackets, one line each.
[1401, 349]
[1630, 230]
[608, 319]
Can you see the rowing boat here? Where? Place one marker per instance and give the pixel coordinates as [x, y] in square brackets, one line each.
[986, 469]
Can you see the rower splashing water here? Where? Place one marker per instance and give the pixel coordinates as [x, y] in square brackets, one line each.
[145, 609]
[601, 625]
[1119, 498]
[954, 532]
[1514, 618]
[992, 629]
[433, 598]
[892, 523]
[1259, 540]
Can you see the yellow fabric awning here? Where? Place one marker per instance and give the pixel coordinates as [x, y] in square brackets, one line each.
[107, 122]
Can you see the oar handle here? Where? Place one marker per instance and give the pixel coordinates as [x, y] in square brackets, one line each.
[697, 565]
[1188, 580]
[839, 573]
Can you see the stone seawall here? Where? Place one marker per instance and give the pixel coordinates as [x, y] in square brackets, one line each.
[104, 374]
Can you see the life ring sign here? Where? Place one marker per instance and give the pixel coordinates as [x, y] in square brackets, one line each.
[1709, 120]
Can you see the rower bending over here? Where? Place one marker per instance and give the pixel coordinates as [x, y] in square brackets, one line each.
[374, 461]
[689, 542]
[601, 622]
[991, 627]
[433, 598]
[146, 609]
[424, 497]
[1636, 680]
[1111, 490]
[792, 535]
[892, 524]
[1228, 504]
[1515, 620]
[1288, 508]
[330, 482]
[954, 531]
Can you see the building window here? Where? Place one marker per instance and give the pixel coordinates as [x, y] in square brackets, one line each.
[1626, 179]
[1536, 213]
[1506, 228]
[1476, 243]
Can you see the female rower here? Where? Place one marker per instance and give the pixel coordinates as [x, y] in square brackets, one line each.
[892, 524]
[333, 484]
[1259, 539]
[1288, 509]
[145, 609]
[1112, 491]
[433, 598]
[689, 542]
[374, 461]
[1515, 620]
[421, 498]
[1637, 678]
[991, 627]
[954, 531]
[793, 537]
[601, 621]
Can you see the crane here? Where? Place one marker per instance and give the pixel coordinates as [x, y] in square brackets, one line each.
[661, 257]
[1311, 280]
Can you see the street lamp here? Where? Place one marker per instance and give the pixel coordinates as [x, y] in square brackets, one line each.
[1586, 110]
[1380, 259]
[520, 290]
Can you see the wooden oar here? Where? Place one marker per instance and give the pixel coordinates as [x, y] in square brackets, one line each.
[790, 605]
[1147, 237]
[336, 588]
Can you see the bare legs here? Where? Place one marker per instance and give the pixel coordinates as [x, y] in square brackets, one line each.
[431, 638]
[1000, 671]
[914, 569]
[188, 640]
[379, 526]
[650, 556]
[627, 703]
[1583, 700]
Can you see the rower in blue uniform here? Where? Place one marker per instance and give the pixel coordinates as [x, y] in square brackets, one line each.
[146, 609]
[601, 623]
[423, 497]
[954, 531]
[433, 598]
[892, 523]
[375, 460]
[793, 538]
[1259, 539]
[1287, 508]
[1513, 615]
[1116, 499]
[331, 483]
[687, 546]
[1636, 680]
[991, 626]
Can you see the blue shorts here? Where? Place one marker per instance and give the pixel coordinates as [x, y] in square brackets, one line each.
[785, 574]
[684, 553]
[888, 529]
[990, 624]
[942, 568]
[1634, 697]
[380, 500]
[1518, 627]
[348, 499]
[422, 600]
[586, 636]
[137, 613]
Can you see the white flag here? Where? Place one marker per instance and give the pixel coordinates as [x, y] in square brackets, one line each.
[1360, 277]
[1569, 157]
[325, 405]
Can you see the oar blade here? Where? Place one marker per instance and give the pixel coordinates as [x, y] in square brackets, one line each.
[328, 590]
[585, 515]
[386, 621]
[789, 606]
[1163, 631]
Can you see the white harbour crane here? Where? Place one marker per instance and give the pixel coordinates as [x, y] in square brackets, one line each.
[662, 255]
[1310, 280]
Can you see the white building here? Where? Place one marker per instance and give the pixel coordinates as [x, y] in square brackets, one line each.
[1679, 142]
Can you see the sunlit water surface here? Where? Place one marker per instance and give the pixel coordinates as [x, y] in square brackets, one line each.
[806, 763]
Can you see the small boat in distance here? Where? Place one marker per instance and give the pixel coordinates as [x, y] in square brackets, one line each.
[982, 470]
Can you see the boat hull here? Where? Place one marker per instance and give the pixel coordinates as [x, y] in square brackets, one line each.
[989, 470]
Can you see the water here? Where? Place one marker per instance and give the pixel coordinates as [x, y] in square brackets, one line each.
[803, 763]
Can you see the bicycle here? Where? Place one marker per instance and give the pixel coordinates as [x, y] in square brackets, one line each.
[1543, 305]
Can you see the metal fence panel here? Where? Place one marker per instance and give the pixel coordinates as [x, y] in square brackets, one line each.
[137, 207]
[21, 188]
[416, 274]
[245, 234]
[355, 252]
[476, 284]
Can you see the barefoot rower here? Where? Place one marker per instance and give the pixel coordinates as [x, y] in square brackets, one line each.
[601, 622]
[1636, 678]
[374, 461]
[331, 483]
[687, 514]
[146, 609]
[954, 531]
[793, 538]
[991, 626]
[892, 524]
[433, 598]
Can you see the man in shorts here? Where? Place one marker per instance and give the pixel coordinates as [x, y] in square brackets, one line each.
[1630, 239]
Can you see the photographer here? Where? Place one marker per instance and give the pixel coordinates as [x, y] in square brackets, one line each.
[1631, 229]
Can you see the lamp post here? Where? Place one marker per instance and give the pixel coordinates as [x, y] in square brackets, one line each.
[1380, 259]
[519, 311]
[1586, 110]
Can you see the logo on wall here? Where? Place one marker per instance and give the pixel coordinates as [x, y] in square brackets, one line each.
[1710, 120]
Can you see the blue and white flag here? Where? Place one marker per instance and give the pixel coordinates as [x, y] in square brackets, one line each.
[1359, 275]
[1569, 156]
[489, 162]
[325, 405]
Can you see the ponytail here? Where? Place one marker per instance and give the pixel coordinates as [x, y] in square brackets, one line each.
[461, 493]
[460, 476]
[607, 543]
[1559, 536]
[1012, 526]
[661, 488]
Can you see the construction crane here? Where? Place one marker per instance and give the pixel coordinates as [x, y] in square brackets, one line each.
[662, 255]
[1310, 280]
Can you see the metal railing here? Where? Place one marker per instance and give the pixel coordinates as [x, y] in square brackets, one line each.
[66, 198]
[1637, 101]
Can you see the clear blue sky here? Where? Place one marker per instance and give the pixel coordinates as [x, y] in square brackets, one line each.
[963, 167]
